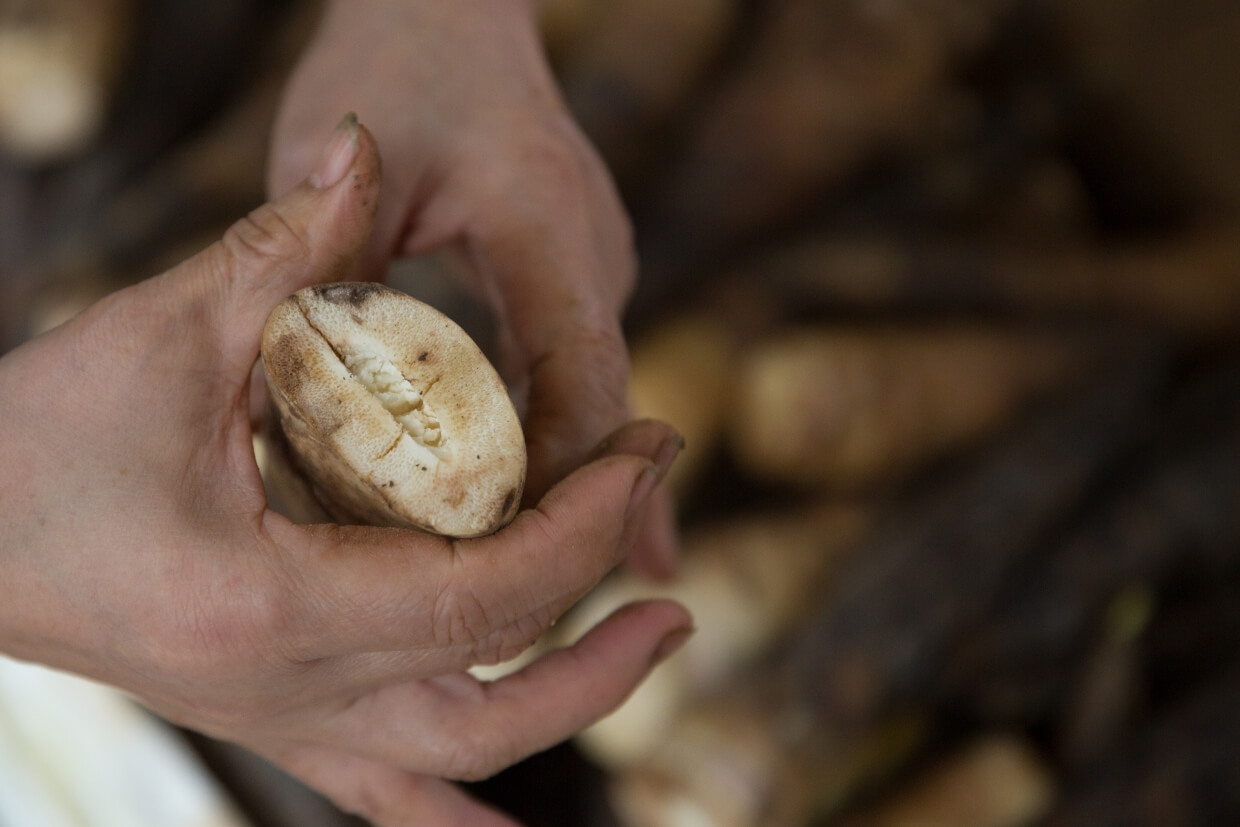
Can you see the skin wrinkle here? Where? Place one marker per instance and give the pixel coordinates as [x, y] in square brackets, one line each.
[415, 609]
[447, 619]
[508, 642]
[221, 450]
[313, 603]
[380, 666]
[263, 236]
[248, 485]
[472, 614]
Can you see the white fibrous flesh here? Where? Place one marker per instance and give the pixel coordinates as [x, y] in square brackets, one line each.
[397, 395]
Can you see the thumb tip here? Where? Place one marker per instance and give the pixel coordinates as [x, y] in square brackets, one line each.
[338, 201]
[338, 154]
[350, 147]
[348, 154]
[317, 231]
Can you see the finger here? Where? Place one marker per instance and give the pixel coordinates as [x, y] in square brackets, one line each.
[361, 589]
[312, 234]
[654, 547]
[566, 690]
[576, 393]
[656, 551]
[295, 144]
[385, 796]
[561, 285]
[466, 729]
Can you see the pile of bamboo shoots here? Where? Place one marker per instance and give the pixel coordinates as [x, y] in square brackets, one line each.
[944, 297]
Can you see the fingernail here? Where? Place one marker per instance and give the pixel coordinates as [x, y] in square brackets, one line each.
[662, 459]
[667, 452]
[641, 492]
[671, 644]
[337, 155]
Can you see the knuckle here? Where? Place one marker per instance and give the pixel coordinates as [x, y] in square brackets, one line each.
[539, 529]
[559, 162]
[507, 643]
[603, 349]
[458, 618]
[479, 754]
[264, 236]
[607, 341]
[547, 171]
[551, 190]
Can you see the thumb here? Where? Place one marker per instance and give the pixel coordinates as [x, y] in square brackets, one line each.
[315, 233]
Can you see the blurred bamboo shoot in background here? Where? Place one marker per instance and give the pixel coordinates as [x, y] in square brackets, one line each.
[825, 88]
[59, 64]
[851, 408]
[866, 655]
[622, 95]
[747, 582]
[998, 781]
[1188, 281]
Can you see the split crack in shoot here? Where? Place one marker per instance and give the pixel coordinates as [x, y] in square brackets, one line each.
[398, 396]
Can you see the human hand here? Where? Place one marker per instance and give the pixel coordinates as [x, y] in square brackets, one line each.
[481, 153]
[136, 546]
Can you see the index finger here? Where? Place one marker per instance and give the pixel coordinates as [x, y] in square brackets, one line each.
[562, 262]
[361, 589]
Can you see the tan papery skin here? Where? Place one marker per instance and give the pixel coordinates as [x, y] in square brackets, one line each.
[392, 412]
